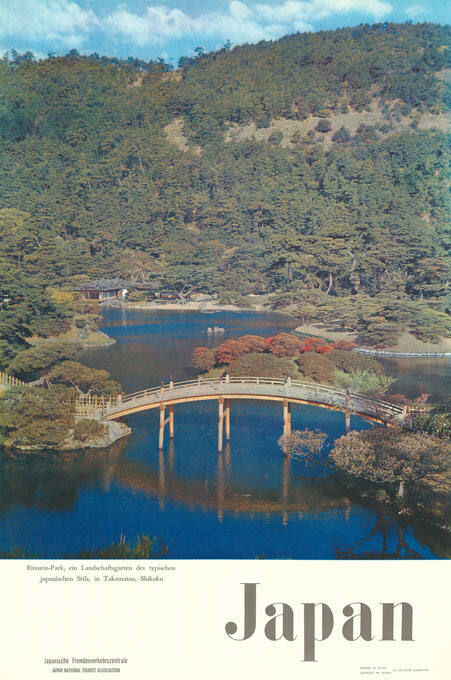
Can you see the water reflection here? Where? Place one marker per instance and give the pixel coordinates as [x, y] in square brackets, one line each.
[223, 494]
[418, 376]
[248, 501]
[55, 482]
[162, 342]
[391, 539]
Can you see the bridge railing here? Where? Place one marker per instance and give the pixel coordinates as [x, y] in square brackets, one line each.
[332, 395]
[98, 406]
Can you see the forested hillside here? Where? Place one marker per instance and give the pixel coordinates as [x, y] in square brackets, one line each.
[111, 167]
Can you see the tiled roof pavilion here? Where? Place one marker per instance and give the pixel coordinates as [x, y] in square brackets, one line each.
[105, 284]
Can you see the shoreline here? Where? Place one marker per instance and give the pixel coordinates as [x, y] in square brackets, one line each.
[205, 307]
[407, 346]
[95, 339]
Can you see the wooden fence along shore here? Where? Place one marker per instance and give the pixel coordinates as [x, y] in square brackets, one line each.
[9, 380]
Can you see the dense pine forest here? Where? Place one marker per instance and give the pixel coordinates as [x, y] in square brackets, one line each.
[311, 170]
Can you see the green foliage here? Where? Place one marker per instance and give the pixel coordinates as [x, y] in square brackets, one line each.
[265, 365]
[390, 455]
[363, 381]
[137, 296]
[314, 70]
[37, 418]
[382, 327]
[380, 319]
[25, 308]
[317, 367]
[16, 554]
[17, 235]
[7, 352]
[87, 380]
[92, 186]
[348, 361]
[144, 548]
[41, 357]
[324, 125]
[435, 423]
[342, 136]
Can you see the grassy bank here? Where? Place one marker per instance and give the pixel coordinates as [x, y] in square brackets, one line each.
[406, 341]
[87, 339]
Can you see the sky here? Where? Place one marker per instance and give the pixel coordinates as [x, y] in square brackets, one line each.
[173, 28]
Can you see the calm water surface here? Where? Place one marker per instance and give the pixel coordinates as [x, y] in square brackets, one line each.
[248, 502]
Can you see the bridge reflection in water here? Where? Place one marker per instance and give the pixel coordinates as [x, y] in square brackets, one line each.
[53, 484]
[225, 496]
[60, 483]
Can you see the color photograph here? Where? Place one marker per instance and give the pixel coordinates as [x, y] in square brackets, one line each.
[224, 301]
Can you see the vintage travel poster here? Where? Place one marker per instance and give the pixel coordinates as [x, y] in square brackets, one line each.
[224, 339]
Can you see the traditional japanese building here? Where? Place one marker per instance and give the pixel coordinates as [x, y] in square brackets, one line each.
[105, 289]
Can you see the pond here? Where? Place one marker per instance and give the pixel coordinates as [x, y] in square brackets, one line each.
[248, 502]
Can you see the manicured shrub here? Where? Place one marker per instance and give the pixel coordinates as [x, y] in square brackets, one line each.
[229, 350]
[37, 417]
[137, 296]
[341, 136]
[316, 367]
[284, 345]
[392, 456]
[41, 357]
[437, 424]
[315, 345]
[254, 343]
[324, 125]
[88, 380]
[349, 361]
[204, 358]
[264, 365]
[363, 382]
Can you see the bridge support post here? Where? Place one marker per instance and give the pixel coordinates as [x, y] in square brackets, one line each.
[286, 417]
[171, 421]
[220, 422]
[348, 422]
[161, 434]
[227, 420]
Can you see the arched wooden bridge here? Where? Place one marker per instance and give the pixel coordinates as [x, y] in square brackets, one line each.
[225, 389]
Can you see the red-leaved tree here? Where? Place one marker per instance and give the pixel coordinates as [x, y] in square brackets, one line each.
[284, 345]
[315, 345]
[230, 350]
[254, 343]
[204, 358]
